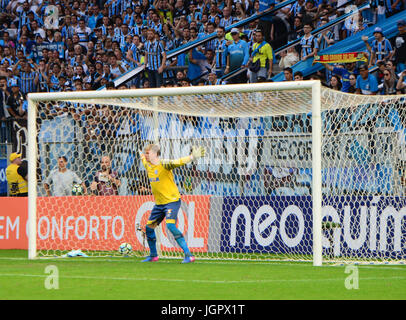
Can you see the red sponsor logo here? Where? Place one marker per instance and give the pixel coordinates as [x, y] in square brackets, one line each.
[99, 223]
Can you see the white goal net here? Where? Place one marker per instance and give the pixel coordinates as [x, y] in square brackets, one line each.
[266, 189]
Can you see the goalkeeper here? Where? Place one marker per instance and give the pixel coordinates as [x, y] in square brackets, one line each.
[167, 197]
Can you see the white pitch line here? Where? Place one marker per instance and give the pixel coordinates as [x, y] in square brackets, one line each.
[401, 267]
[198, 280]
[163, 260]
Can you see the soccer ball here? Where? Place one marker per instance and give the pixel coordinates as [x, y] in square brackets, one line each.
[125, 248]
[77, 190]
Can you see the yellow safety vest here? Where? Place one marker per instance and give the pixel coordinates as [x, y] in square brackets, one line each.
[16, 183]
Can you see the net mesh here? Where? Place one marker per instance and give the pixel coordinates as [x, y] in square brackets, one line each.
[249, 198]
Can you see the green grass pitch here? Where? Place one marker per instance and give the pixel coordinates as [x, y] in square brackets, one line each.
[127, 278]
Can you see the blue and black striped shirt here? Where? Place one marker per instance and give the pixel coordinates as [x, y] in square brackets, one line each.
[27, 82]
[154, 50]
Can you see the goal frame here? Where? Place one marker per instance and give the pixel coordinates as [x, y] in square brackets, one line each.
[313, 85]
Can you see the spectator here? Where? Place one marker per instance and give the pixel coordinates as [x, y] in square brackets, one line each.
[401, 84]
[155, 23]
[10, 75]
[344, 72]
[237, 56]
[296, 31]
[28, 78]
[240, 11]
[61, 179]
[227, 20]
[262, 52]
[116, 68]
[379, 72]
[14, 100]
[164, 10]
[214, 12]
[210, 56]
[106, 181]
[392, 7]
[391, 65]
[388, 86]
[185, 82]
[25, 45]
[298, 76]
[353, 25]
[95, 17]
[6, 41]
[288, 72]
[353, 81]
[288, 58]
[212, 80]
[220, 60]
[91, 130]
[8, 57]
[180, 9]
[4, 114]
[309, 11]
[36, 30]
[198, 66]
[399, 44]
[308, 43]
[366, 83]
[381, 48]
[296, 9]
[83, 32]
[155, 58]
[325, 38]
[335, 83]
[108, 122]
[265, 22]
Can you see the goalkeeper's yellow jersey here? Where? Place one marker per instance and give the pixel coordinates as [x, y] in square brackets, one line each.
[161, 179]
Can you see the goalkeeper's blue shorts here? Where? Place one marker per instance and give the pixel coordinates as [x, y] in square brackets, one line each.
[161, 211]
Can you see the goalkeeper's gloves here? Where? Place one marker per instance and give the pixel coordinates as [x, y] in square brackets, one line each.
[198, 152]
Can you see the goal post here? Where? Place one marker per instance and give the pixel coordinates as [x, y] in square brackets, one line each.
[316, 166]
[32, 180]
[293, 171]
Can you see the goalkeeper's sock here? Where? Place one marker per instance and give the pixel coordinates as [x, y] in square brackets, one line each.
[151, 239]
[179, 238]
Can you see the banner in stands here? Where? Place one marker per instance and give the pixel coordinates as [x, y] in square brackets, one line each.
[341, 57]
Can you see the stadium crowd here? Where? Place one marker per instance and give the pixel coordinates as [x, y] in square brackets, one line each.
[65, 45]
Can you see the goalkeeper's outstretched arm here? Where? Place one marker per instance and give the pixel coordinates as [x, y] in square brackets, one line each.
[197, 152]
